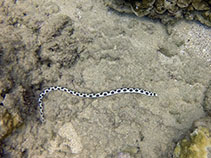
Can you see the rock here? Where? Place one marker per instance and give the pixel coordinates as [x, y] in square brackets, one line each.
[196, 143]
[123, 155]
[171, 6]
[159, 7]
[53, 33]
[10, 118]
[5, 85]
[167, 50]
[68, 132]
[120, 6]
[168, 11]
[54, 27]
[207, 100]
[183, 3]
[8, 122]
[142, 8]
[200, 5]
[205, 18]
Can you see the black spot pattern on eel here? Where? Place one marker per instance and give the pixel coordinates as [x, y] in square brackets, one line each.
[91, 95]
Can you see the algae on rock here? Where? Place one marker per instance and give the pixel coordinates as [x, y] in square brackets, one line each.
[167, 11]
[195, 146]
[8, 122]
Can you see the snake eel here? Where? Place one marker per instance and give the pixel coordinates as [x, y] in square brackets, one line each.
[89, 95]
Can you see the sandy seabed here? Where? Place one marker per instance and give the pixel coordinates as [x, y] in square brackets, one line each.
[85, 46]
